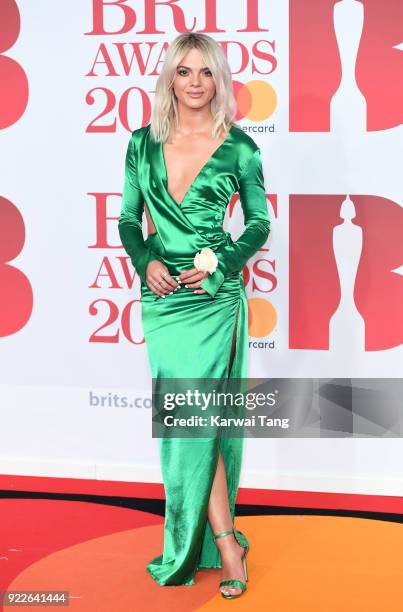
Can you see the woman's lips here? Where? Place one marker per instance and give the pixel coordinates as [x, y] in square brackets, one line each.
[195, 95]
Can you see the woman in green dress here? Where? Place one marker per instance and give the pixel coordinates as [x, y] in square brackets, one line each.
[182, 169]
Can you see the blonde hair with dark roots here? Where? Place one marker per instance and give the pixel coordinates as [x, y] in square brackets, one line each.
[164, 116]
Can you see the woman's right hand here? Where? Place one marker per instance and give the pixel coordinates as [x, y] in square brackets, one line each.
[158, 278]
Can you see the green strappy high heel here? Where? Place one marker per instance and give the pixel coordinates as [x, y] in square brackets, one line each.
[241, 539]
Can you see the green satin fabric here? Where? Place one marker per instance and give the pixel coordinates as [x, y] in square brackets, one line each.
[188, 334]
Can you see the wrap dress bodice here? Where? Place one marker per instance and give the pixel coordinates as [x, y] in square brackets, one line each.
[184, 229]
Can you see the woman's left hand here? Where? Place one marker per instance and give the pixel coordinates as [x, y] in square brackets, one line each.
[192, 279]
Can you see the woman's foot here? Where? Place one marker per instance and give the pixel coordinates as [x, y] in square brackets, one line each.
[232, 566]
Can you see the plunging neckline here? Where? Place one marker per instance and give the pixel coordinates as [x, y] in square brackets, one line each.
[202, 169]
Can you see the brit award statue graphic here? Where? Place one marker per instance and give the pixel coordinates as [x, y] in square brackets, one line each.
[348, 107]
[346, 325]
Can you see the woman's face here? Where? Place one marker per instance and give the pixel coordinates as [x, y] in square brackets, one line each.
[193, 84]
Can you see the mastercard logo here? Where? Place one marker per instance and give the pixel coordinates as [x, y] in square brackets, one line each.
[256, 100]
[262, 317]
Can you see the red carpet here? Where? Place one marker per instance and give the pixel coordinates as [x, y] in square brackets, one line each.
[84, 541]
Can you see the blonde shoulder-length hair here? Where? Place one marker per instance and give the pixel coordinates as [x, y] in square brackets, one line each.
[164, 115]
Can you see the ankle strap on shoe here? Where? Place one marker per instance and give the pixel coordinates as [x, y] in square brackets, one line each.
[224, 533]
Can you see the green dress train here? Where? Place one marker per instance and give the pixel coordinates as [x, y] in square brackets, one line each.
[189, 335]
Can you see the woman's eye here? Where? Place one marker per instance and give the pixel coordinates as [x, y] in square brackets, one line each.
[183, 72]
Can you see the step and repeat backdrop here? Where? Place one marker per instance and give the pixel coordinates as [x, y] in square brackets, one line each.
[319, 86]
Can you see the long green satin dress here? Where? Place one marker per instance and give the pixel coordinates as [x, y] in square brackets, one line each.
[189, 335]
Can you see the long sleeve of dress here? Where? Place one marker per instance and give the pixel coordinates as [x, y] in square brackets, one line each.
[131, 215]
[233, 257]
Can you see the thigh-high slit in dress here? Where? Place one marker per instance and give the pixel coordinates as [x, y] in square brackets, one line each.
[190, 335]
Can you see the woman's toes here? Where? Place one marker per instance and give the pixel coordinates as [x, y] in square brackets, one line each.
[232, 591]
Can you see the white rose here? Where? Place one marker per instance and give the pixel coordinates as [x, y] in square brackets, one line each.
[206, 260]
